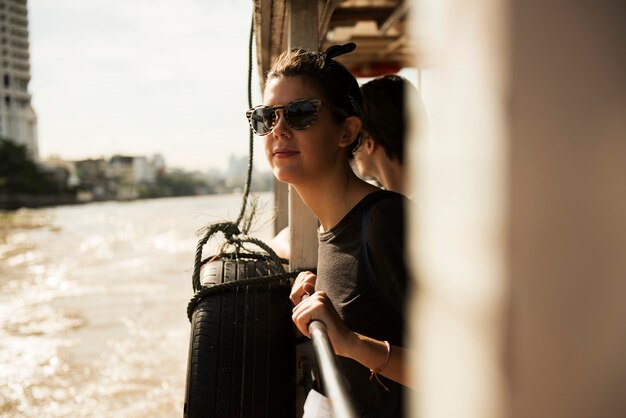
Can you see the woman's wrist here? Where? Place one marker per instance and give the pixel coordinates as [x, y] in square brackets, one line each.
[369, 352]
[383, 366]
[350, 345]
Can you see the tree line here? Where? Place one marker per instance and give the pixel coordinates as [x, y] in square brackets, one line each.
[20, 174]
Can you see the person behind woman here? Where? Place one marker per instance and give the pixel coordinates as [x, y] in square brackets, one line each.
[381, 153]
[311, 122]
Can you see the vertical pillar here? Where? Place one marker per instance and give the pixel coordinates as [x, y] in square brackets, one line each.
[458, 231]
[567, 208]
[518, 243]
[303, 32]
[281, 203]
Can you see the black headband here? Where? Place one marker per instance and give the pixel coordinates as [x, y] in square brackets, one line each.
[345, 81]
[337, 50]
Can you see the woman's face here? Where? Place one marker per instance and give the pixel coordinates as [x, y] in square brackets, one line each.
[298, 156]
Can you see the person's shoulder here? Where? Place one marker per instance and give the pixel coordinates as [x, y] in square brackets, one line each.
[386, 202]
[386, 213]
[385, 231]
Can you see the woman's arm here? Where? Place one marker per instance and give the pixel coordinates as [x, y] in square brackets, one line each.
[369, 352]
[373, 354]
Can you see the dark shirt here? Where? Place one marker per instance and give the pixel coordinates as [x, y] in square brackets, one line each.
[342, 274]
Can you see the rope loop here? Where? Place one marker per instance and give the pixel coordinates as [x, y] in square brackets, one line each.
[233, 248]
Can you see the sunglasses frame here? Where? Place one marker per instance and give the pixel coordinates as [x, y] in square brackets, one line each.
[316, 102]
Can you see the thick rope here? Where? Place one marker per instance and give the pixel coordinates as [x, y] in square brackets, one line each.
[250, 60]
[246, 191]
[254, 281]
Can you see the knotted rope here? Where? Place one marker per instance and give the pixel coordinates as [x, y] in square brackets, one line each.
[235, 243]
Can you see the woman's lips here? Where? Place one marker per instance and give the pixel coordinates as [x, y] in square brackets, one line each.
[284, 153]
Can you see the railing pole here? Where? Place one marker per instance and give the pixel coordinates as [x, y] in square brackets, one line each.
[333, 380]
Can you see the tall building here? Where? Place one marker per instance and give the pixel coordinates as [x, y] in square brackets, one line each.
[18, 120]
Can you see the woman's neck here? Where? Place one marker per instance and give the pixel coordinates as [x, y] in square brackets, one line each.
[330, 198]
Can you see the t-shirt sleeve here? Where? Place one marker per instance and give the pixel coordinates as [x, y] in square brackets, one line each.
[385, 233]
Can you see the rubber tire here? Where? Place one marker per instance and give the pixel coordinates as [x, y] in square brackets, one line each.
[242, 350]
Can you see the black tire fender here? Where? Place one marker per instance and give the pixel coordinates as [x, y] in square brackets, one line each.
[241, 350]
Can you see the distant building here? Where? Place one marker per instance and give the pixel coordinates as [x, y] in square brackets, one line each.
[129, 172]
[237, 166]
[93, 177]
[158, 162]
[122, 173]
[143, 170]
[132, 170]
[18, 120]
[72, 179]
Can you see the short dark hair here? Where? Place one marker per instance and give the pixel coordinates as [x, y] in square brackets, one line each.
[328, 77]
[384, 113]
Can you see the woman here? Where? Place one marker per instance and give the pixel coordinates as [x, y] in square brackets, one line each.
[311, 122]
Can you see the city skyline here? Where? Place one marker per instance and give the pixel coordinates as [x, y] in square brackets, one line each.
[142, 78]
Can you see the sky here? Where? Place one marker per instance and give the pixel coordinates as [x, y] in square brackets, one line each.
[141, 77]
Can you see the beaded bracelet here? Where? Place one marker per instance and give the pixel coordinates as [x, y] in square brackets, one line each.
[381, 368]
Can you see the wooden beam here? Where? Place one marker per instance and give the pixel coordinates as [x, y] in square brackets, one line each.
[345, 16]
[325, 16]
[399, 13]
[303, 32]
[303, 24]
[263, 36]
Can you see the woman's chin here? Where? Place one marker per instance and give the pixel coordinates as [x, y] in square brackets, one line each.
[285, 176]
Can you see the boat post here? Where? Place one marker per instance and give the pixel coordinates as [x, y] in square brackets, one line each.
[303, 32]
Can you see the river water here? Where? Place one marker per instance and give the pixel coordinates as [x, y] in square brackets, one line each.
[92, 305]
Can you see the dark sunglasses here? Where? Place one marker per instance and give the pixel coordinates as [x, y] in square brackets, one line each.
[299, 114]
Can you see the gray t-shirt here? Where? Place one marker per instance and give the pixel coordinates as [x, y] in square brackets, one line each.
[342, 274]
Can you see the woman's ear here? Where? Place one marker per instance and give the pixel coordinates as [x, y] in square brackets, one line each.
[351, 128]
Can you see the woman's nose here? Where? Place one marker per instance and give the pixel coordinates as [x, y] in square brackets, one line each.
[281, 127]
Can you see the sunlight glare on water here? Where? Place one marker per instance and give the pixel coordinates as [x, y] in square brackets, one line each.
[92, 305]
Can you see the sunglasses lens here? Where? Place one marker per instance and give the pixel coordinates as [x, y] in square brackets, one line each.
[261, 120]
[302, 114]
[299, 115]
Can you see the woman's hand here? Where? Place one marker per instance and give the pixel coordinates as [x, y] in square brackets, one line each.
[319, 307]
[371, 353]
[303, 285]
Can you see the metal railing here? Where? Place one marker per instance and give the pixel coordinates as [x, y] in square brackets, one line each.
[332, 379]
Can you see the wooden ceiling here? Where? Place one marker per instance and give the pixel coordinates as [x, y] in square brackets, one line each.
[378, 27]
